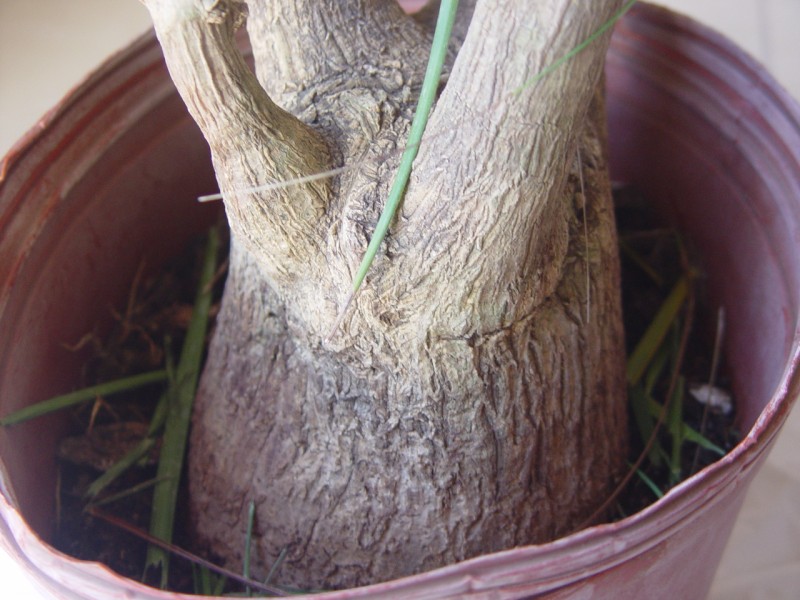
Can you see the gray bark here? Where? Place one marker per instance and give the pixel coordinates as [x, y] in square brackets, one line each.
[473, 398]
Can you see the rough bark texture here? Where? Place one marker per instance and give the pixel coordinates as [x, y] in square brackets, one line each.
[473, 398]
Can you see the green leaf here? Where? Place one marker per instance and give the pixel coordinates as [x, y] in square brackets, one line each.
[84, 395]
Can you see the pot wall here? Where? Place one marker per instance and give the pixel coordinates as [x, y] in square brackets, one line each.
[107, 183]
[713, 142]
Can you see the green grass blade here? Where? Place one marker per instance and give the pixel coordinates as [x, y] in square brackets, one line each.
[159, 416]
[653, 374]
[134, 455]
[276, 565]
[79, 396]
[656, 369]
[123, 464]
[651, 341]
[176, 428]
[201, 580]
[441, 38]
[688, 433]
[650, 483]
[433, 73]
[207, 583]
[675, 427]
[139, 487]
[162, 407]
[577, 49]
[248, 540]
[691, 435]
[645, 423]
[640, 262]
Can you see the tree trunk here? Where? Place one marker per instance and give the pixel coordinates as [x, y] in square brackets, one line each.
[473, 397]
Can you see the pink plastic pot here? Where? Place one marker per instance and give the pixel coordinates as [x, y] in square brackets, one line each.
[110, 177]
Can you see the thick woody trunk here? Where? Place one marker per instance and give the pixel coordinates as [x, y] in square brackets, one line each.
[472, 399]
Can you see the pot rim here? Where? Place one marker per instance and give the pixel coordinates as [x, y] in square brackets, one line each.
[589, 548]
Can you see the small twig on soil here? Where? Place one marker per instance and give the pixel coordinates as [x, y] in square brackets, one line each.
[126, 319]
[180, 552]
[712, 379]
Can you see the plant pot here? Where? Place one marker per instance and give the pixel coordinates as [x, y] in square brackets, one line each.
[111, 175]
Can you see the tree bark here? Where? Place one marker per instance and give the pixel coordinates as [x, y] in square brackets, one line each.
[473, 398]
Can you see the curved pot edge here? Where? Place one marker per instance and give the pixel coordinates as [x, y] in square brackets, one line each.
[750, 449]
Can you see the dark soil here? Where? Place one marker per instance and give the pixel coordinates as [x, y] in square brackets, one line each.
[155, 320]
[152, 325]
[667, 254]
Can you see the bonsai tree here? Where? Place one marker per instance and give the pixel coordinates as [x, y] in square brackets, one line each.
[471, 397]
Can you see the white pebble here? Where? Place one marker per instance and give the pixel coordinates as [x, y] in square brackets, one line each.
[716, 398]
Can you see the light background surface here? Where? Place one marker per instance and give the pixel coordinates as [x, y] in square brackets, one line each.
[48, 46]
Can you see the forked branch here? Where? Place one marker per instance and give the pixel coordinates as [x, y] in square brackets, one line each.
[252, 140]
